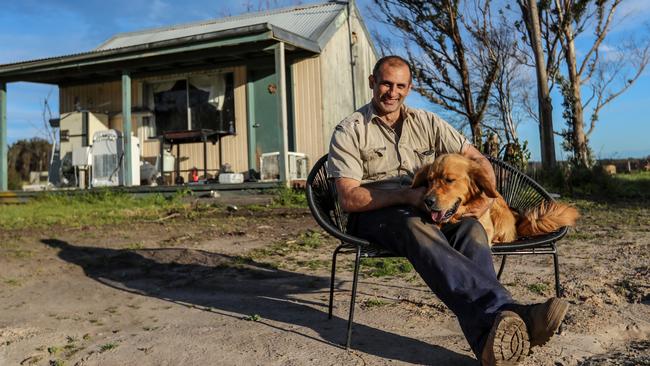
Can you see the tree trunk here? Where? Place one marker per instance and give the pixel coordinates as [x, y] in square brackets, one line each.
[547, 143]
[477, 133]
[579, 139]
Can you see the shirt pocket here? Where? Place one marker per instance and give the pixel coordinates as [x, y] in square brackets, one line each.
[425, 155]
[374, 161]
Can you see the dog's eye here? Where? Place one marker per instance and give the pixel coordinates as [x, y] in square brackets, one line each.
[449, 180]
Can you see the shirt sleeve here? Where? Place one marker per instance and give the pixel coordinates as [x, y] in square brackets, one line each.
[447, 139]
[344, 156]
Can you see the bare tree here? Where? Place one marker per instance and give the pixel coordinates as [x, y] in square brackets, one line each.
[606, 78]
[543, 46]
[448, 44]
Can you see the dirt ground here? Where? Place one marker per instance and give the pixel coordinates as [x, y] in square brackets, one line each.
[250, 287]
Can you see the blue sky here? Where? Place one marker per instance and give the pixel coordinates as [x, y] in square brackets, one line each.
[31, 29]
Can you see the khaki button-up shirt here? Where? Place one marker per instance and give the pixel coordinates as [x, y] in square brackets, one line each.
[364, 148]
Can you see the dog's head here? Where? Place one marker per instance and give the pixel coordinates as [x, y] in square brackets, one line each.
[451, 180]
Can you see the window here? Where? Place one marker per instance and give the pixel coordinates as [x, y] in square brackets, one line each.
[210, 98]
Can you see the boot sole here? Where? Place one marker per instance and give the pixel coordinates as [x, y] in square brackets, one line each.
[556, 311]
[507, 343]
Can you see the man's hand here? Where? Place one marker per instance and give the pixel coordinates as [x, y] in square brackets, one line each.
[478, 207]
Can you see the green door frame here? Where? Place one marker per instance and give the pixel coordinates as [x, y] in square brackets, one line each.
[4, 153]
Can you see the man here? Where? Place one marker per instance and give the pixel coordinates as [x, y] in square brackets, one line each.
[373, 156]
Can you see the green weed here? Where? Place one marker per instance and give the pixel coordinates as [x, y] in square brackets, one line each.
[538, 288]
[107, 347]
[12, 282]
[288, 197]
[252, 318]
[135, 246]
[373, 303]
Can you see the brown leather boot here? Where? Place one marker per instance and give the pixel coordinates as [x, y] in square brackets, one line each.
[507, 343]
[542, 320]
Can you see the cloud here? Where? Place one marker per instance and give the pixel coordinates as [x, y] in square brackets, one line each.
[631, 14]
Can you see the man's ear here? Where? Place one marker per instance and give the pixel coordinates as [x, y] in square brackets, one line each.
[420, 179]
[371, 81]
[482, 181]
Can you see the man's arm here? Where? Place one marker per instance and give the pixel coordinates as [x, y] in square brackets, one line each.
[356, 198]
[481, 206]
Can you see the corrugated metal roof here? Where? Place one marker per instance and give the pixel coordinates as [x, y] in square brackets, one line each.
[307, 21]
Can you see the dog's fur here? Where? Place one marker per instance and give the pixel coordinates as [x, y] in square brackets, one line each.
[456, 184]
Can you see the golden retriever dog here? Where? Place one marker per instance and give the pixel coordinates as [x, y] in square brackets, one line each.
[455, 184]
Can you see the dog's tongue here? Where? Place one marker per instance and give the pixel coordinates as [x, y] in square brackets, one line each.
[437, 216]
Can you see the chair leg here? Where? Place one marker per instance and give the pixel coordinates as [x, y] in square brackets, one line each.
[558, 288]
[556, 267]
[357, 264]
[503, 265]
[332, 277]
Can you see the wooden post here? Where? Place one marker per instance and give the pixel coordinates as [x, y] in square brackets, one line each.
[4, 172]
[280, 70]
[126, 128]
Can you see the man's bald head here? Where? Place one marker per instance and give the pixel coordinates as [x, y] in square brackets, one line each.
[391, 61]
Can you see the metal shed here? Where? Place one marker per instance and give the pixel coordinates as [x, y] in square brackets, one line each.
[287, 76]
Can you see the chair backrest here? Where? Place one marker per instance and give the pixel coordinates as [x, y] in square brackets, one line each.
[519, 190]
[324, 204]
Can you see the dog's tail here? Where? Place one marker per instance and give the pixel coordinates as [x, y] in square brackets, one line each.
[546, 218]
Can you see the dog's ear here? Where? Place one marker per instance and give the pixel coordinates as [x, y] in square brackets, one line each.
[420, 179]
[483, 182]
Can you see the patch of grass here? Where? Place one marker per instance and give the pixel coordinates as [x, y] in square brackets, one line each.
[581, 235]
[595, 183]
[539, 288]
[11, 282]
[135, 246]
[54, 350]
[57, 363]
[374, 303]
[84, 209]
[20, 253]
[315, 264]
[107, 347]
[310, 239]
[382, 267]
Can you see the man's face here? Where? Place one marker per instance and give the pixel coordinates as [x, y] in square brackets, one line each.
[390, 88]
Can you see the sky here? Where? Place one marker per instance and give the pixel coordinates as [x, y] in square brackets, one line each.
[33, 29]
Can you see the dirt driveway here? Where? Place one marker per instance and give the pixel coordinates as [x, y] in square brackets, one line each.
[250, 288]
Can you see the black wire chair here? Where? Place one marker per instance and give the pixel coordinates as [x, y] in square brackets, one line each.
[520, 192]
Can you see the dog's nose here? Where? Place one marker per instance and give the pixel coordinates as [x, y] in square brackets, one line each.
[430, 202]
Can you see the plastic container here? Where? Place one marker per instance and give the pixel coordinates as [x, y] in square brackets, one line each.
[231, 178]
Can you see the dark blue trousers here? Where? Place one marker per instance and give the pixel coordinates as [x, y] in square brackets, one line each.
[455, 262]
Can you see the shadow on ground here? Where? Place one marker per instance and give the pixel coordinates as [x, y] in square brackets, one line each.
[225, 284]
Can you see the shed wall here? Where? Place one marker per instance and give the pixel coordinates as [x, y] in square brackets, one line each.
[336, 73]
[308, 112]
[335, 82]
